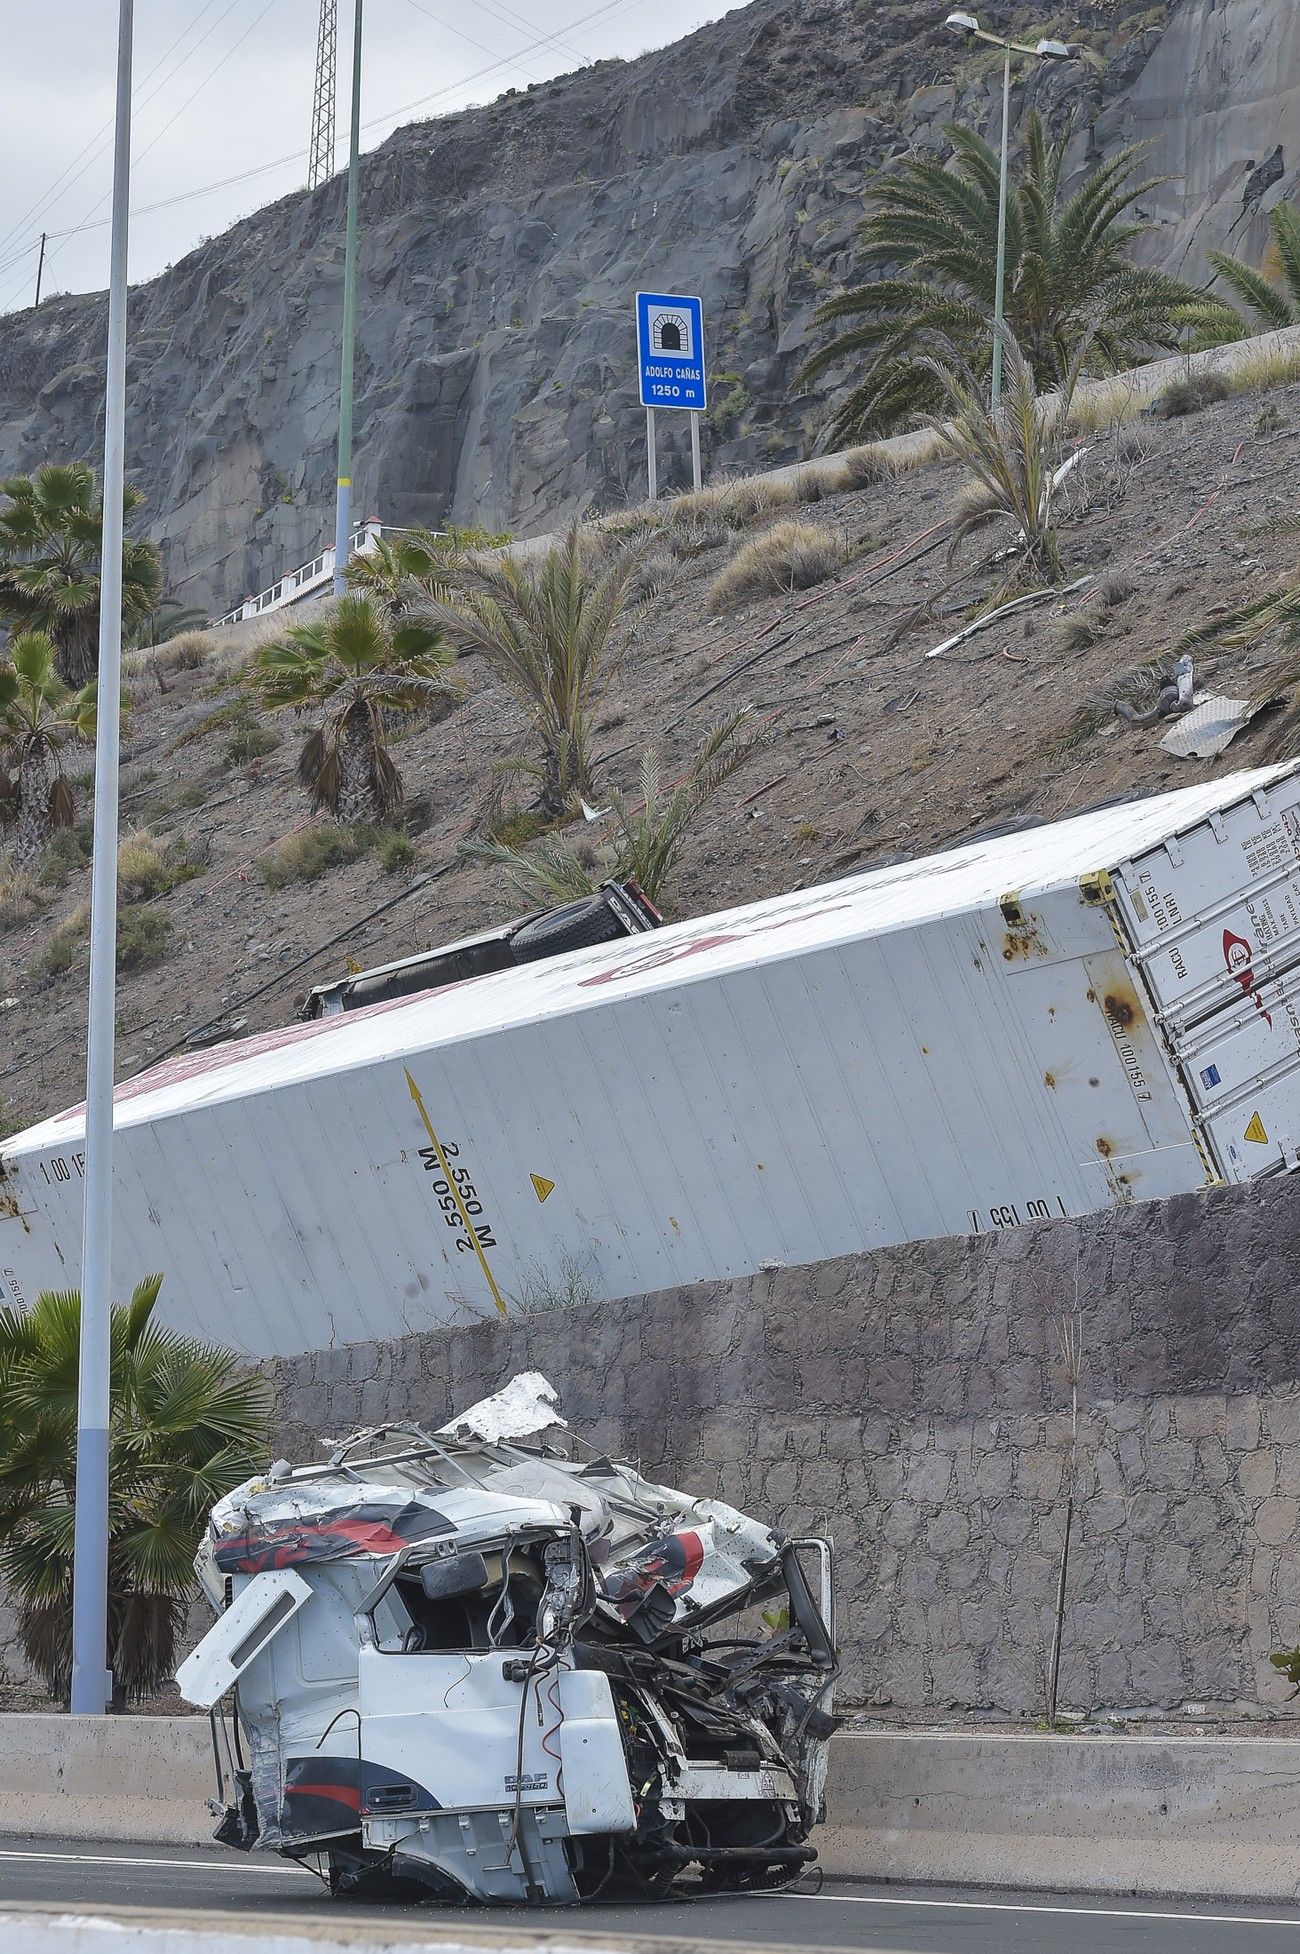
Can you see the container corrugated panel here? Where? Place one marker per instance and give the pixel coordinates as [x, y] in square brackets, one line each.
[986, 1038]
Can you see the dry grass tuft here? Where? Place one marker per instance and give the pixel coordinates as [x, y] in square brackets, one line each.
[1106, 404]
[308, 854]
[143, 869]
[864, 467]
[59, 953]
[183, 653]
[1193, 391]
[21, 897]
[1116, 589]
[787, 556]
[1276, 369]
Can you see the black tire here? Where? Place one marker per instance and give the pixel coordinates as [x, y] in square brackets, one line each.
[573, 926]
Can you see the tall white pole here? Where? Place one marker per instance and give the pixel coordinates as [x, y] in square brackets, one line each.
[1000, 277]
[92, 1683]
[652, 471]
[343, 501]
[696, 476]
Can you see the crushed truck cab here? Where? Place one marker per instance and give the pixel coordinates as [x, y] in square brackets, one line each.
[481, 1663]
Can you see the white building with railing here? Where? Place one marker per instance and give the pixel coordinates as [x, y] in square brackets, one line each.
[312, 579]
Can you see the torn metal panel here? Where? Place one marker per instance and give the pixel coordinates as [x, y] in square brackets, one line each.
[484, 1665]
[1212, 724]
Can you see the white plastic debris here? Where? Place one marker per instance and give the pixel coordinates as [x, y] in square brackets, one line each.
[525, 1407]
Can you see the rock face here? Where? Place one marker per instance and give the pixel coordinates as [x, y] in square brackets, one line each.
[1218, 101]
[501, 248]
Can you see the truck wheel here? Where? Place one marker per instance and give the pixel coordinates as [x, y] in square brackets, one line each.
[574, 926]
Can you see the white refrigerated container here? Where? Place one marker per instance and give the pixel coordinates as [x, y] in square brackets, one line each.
[1102, 1010]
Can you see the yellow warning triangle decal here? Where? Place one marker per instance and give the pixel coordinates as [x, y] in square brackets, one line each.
[541, 1186]
[1255, 1131]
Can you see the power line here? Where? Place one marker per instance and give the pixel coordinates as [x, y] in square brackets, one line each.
[97, 144]
[510, 18]
[468, 39]
[86, 224]
[607, 10]
[211, 75]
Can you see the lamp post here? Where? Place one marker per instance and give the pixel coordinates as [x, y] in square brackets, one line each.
[91, 1682]
[343, 505]
[967, 25]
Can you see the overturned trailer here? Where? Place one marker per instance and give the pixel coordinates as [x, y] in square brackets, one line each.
[479, 1665]
[1032, 1025]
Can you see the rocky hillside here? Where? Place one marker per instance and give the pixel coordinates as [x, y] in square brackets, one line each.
[502, 246]
[871, 750]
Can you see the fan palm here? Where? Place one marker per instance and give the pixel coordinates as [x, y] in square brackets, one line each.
[38, 716]
[406, 567]
[186, 1426]
[547, 627]
[395, 568]
[353, 670]
[1068, 276]
[647, 837]
[1275, 301]
[50, 539]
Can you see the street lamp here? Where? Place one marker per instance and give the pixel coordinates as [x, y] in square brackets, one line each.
[91, 1682]
[343, 498]
[967, 25]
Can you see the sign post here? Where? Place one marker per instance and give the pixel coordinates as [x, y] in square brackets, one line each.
[670, 362]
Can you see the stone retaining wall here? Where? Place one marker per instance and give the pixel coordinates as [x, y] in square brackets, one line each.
[915, 1404]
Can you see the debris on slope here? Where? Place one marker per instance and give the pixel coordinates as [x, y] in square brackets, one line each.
[871, 751]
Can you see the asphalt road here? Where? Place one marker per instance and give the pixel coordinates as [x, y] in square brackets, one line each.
[859, 1919]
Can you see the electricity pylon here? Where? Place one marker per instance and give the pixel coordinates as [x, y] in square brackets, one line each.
[320, 164]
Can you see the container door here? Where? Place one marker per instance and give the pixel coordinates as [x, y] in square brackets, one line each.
[1242, 1073]
[1215, 912]
[1214, 918]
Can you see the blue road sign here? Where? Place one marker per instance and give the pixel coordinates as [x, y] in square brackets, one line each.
[670, 350]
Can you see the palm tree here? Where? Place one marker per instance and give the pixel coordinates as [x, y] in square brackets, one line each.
[49, 563]
[1012, 452]
[159, 627]
[1068, 275]
[407, 566]
[186, 1426]
[38, 716]
[352, 671]
[547, 627]
[1274, 301]
[396, 568]
[647, 837]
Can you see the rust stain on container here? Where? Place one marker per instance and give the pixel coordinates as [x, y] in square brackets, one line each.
[1121, 1007]
[1105, 1147]
[1020, 945]
[1049, 1080]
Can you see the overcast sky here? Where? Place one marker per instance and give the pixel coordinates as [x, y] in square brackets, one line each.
[225, 86]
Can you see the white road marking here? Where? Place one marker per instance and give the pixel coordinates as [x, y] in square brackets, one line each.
[120, 1859]
[834, 1899]
[1032, 1906]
